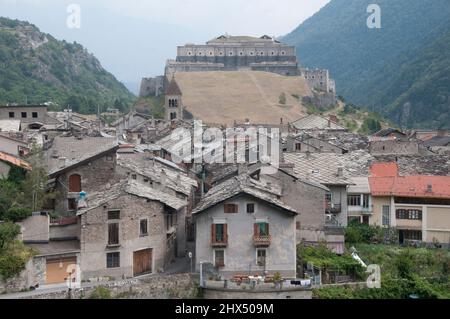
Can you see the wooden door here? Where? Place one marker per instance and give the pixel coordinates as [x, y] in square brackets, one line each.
[57, 270]
[142, 262]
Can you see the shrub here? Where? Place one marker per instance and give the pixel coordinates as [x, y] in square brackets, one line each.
[8, 232]
[100, 293]
[16, 214]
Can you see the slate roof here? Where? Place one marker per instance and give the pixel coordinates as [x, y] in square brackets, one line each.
[98, 199]
[242, 184]
[173, 88]
[156, 169]
[316, 122]
[9, 125]
[75, 151]
[437, 141]
[388, 132]
[319, 167]
[56, 247]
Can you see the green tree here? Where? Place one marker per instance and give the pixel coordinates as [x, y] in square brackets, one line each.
[282, 98]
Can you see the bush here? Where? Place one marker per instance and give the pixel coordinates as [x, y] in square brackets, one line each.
[362, 233]
[16, 214]
[100, 293]
[8, 232]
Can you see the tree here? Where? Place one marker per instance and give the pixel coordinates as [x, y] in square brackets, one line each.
[8, 232]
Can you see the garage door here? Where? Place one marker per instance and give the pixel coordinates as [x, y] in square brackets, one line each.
[57, 269]
[142, 262]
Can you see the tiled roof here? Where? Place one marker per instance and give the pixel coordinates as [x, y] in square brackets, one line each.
[437, 141]
[411, 186]
[316, 122]
[75, 151]
[384, 170]
[241, 184]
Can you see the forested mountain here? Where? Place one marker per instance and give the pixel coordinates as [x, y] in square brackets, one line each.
[36, 68]
[401, 70]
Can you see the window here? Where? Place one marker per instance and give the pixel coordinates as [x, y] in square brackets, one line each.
[230, 208]
[219, 233]
[173, 116]
[298, 146]
[75, 183]
[24, 115]
[250, 208]
[262, 229]
[72, 204]
[414, 214]
[366, 200]
[114, 214]
[354, 200]
[34, 115]
[134, 176]
[386, 215]
[11, 115]
[261, 257]
[412, 234]
[219, 258]
[328, 197]
[113, 234]
[298, 225]
[113, 260]
[143, 227]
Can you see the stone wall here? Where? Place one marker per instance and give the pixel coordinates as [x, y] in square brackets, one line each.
[94, 238]
[394, 147]
[240, 294]
[152, 86]
[180, 286]
[34, 273]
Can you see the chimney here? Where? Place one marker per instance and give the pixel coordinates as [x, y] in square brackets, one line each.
[281, 120]
[308, 154]
[340, 172]
[429, 188]
[163, 180]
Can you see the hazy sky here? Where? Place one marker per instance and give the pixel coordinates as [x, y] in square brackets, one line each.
[105, 23]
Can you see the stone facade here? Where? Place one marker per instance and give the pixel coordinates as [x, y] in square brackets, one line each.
[152, 86]
[25, 113]
[133, 209]
[393, 147]
[95, 175]
[230, 53]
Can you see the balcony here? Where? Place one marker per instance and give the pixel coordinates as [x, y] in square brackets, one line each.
[261, 240]
[219, 243]
[332, 208]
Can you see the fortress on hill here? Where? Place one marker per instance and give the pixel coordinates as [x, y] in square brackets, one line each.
[238, 53]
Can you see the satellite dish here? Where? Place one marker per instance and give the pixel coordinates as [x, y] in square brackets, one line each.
[190, 255]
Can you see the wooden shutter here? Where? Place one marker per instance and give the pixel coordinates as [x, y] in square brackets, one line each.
[213, 233]
[75, 183]
[256, 229]
[225, 233]
[113, 234]
[267, 229]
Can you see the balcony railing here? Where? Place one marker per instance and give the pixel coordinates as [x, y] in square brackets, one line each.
[261, 240]
[333, 208]
[219, 243]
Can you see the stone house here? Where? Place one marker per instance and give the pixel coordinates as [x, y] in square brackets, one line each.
[243, 228]
[79, 164]
[13, 144]
[128, 230]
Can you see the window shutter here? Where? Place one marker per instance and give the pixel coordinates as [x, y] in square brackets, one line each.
[256, 229]
[267, 229]
[213, 233]
[225, 233]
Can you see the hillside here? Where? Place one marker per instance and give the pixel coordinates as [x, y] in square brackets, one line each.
[224, 97]
[400, 70]
[36, 68]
